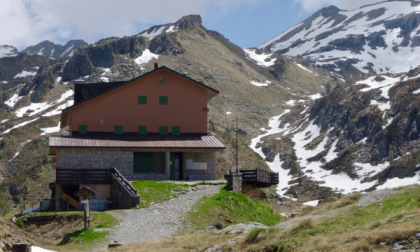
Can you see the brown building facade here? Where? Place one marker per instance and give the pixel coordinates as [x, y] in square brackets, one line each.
[154, 127]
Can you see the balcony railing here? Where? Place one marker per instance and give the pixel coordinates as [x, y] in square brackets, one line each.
[83, 176]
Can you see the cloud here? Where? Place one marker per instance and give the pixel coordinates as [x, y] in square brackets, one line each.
[30, 21]
[313, 5]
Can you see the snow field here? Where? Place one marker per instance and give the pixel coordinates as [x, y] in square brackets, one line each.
[145, 57]
[264, 59]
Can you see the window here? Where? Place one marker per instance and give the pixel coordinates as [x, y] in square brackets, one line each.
[142, 99]
[163, 130]
[118, 129]
[176, 130]
[142, 130]
[163, 100]
[82, 129]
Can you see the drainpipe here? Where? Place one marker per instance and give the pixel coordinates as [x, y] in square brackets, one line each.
[168, 164]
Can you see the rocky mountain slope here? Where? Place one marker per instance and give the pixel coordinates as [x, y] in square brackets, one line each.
[378, 38]
[253, 85]
[360, 136]
[47, 48]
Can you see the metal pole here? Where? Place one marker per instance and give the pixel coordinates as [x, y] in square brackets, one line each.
[237, 147]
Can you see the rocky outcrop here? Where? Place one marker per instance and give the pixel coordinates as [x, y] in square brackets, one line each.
[49, 49]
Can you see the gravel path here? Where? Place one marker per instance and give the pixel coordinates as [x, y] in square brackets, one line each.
[159, 220]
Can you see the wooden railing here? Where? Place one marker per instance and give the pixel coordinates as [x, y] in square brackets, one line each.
[260, 176]
[124, 182]
[83, 176]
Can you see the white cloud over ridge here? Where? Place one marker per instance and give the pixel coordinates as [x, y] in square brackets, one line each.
[28, 22]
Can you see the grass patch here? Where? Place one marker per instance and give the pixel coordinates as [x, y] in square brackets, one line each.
[352, 228]
[152, 192]
[252, 237]
[86, 239]
[66, 229]
[198, 241]
[231, 208]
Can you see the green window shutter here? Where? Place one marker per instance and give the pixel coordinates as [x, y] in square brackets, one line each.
[163, 130]
[143, 162]
[163, 100]
[142, 130]
[82, 129]
[142, 99]
[118, 129]
[176, 130]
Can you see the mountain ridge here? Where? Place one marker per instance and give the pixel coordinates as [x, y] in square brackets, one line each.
[355, 43]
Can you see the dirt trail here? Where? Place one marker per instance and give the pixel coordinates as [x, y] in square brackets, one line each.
[159, 220]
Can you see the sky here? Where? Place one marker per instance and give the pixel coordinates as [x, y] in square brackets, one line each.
[247, 23]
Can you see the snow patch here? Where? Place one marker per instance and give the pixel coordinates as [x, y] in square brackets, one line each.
[7, 51]
[263, 59]
[384, 85]
[58, 110]
[397, 182]
[20, 125]
[39, 249]
[39, 107]
[291, 102]
[145, 57]
[13, 100]
[261, 84]
[155, 32]
[417, 91]
[22, 145]
[368, 170]
[381, 105]
[313, 203]
[171, 29]
[23, 74]
[304, 68]
[339, 182]
[314, 96]
[275, 166]
[50, 130]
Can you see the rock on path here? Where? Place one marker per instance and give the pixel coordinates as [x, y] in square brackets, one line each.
[159, 220]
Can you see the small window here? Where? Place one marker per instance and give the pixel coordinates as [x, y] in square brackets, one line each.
[176, 130]
[143, 99]
[118, 129]
[163, 130]
[163, 100]
[142, 130]
[82, 129]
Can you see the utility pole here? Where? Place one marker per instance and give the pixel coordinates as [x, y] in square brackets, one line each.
[237, 147]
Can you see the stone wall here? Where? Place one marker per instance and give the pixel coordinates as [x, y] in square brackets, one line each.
[234, 182]
[200, 157]
[96, 158]
[106, 158]
[123, 160]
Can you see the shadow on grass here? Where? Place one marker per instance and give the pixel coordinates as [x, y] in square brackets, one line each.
[68, 237]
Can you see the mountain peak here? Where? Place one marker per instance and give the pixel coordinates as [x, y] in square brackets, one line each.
[7, 51]
[189, 22]
[330, 11]
[48, 48]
